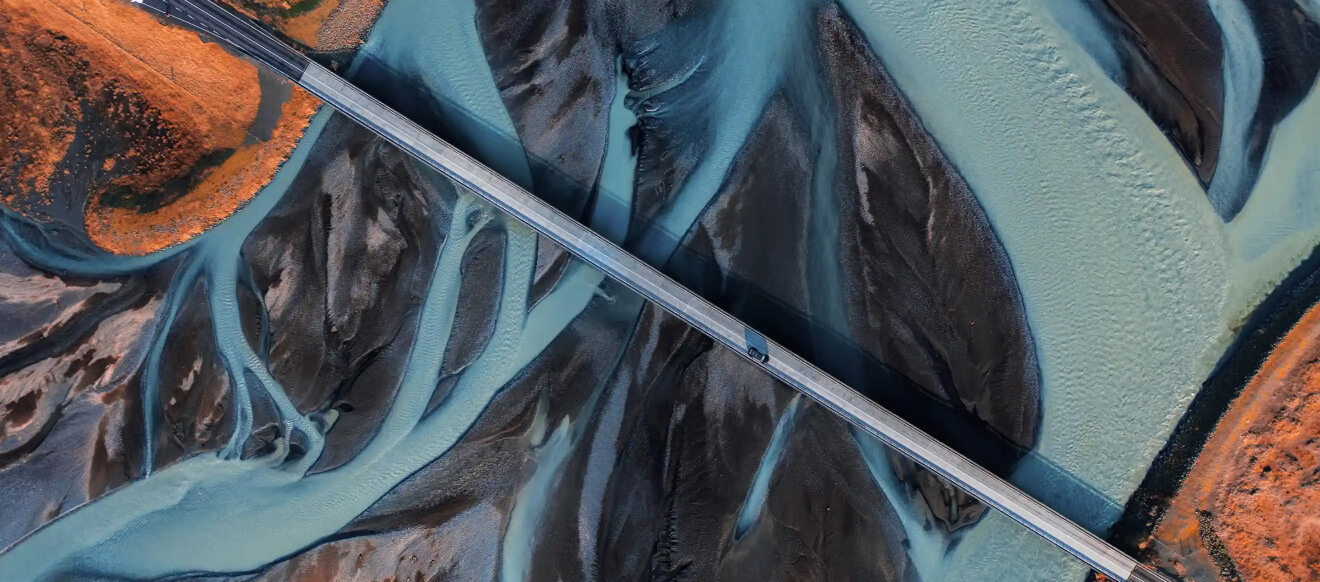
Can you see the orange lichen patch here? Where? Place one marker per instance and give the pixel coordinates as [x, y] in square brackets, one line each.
[198, 82]
[144, 124]
[222, 86]
[323, 25]
[276, 4]
[1268, 501]
[59, 56]
[222, 192]
[35, 136]
[1252, 499]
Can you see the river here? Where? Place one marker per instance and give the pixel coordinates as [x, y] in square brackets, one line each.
[1131, 282]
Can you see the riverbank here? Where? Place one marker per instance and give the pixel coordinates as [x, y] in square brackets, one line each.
[328, 27]
[1230, 520]
[140, 134]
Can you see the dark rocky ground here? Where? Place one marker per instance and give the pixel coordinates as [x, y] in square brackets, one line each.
[910, 240]
[1172, 54]
[670, 445]
[672, 441]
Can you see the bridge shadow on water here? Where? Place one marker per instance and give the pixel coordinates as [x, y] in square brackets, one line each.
[809, 337]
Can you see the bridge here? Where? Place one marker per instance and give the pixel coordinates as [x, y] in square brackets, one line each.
[248, 38]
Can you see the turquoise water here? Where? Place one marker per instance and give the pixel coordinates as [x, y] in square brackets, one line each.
[436, 41]
[1132, 283]
[752, 57]
[153, 527]
[751, 509]
[927, 546]
[1244, 72]
[613, 211]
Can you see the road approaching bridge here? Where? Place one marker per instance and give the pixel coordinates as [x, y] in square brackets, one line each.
[245, 36]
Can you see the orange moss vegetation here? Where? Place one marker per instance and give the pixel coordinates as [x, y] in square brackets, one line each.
[1252, 499]
[58, 54]
[222, 192]
[163, 106]
[323, 25]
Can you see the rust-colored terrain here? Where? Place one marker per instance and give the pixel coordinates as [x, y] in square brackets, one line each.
[143, 133]
[1250, 508]
[325, 26]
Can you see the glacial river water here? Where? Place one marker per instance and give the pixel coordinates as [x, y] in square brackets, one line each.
[1131, 281]
[1132, 284]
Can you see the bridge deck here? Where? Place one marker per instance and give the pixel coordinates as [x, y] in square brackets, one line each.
[784, 365]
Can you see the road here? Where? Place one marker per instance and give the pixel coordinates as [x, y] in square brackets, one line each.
[246, 37]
